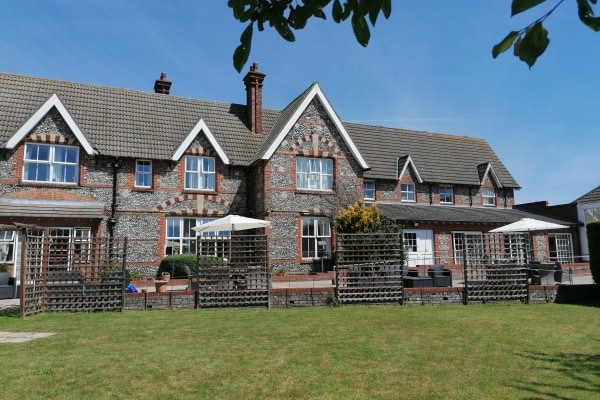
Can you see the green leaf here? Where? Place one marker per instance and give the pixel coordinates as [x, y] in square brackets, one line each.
[361, 30]
[337, 11]
[237, 7]
[533, 44]
[586, 15]
[505, 44]
[386, 8]
[374, 7]
[518, 6]
[242, 52]
[282, 27]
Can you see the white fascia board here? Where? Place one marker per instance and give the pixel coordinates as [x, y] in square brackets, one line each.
[316, 92]
[490, 171]
[200, 127]
[53, 101]
[407, 163]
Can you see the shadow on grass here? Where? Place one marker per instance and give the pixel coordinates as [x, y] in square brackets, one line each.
[577, 374]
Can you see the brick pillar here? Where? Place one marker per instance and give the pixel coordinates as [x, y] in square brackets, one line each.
[254, 82]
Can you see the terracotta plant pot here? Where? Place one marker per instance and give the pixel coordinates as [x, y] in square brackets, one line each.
[161, 286]
[166, 277]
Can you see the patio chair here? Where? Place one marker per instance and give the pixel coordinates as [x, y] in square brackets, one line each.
[441, 276]
[542, 274]
[7, 286]
[561, 275]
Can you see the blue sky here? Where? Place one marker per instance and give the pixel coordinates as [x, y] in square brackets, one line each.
[429, 67]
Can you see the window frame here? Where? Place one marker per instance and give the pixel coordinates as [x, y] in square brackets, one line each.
[410, 241]
[317, 179]
[145, 175]
[369, 190]
[188, 244]
[487, 197]
[7, 247]
[459, 238]
[52, 164]
[317, 229]
[205, 179]
[408, 192]
[446, 188]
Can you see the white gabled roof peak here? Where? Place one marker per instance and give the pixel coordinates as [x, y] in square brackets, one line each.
[404, 163]
[315, 92]
[27, 127]
[200, 127]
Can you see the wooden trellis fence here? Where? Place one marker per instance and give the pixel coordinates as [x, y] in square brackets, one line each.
[494, 276]
[369, 268]
[61, 274]
[239, 279]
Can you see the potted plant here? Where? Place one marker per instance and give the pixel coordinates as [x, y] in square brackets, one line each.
[166, 276]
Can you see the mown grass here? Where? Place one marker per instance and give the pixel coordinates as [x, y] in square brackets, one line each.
[475, 352]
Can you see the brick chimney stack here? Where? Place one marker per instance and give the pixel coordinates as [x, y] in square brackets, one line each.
[254, 83]
[162, 85]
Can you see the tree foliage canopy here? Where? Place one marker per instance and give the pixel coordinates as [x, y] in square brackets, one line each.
[287, 16]
[593, 236]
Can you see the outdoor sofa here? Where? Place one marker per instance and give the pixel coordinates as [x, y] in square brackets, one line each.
[441, 276]
[7, 286]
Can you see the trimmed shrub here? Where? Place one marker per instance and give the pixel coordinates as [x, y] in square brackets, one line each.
[184, 265]
[179, 266]
[593, 236]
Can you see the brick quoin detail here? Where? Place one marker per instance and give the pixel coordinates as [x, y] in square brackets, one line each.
[186, 197]
[51, 138]
[309, 138]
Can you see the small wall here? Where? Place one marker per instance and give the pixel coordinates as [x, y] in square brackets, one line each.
[320, 296]
[176, 299]
[433, 296]
[300, 297]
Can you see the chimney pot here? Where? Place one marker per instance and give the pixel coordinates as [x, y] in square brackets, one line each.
[162, 85]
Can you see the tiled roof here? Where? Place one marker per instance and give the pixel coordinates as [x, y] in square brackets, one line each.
[593, 196]
[128, 123]
[438, 158]
[456, 214]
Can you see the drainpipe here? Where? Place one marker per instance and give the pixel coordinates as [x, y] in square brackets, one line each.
[430, 194]
[112, 221]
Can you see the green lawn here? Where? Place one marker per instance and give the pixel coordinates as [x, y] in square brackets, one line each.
[545, 351]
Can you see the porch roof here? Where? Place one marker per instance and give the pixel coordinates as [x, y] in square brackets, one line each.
[457, 214]
[50, 209]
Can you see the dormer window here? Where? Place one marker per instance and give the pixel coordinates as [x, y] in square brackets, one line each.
[199, 173]
[407, 191]
[51, 163]
[314, 173]
[489, 197]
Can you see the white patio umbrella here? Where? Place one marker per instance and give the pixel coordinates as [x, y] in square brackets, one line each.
[528, 225]
[232, 223]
